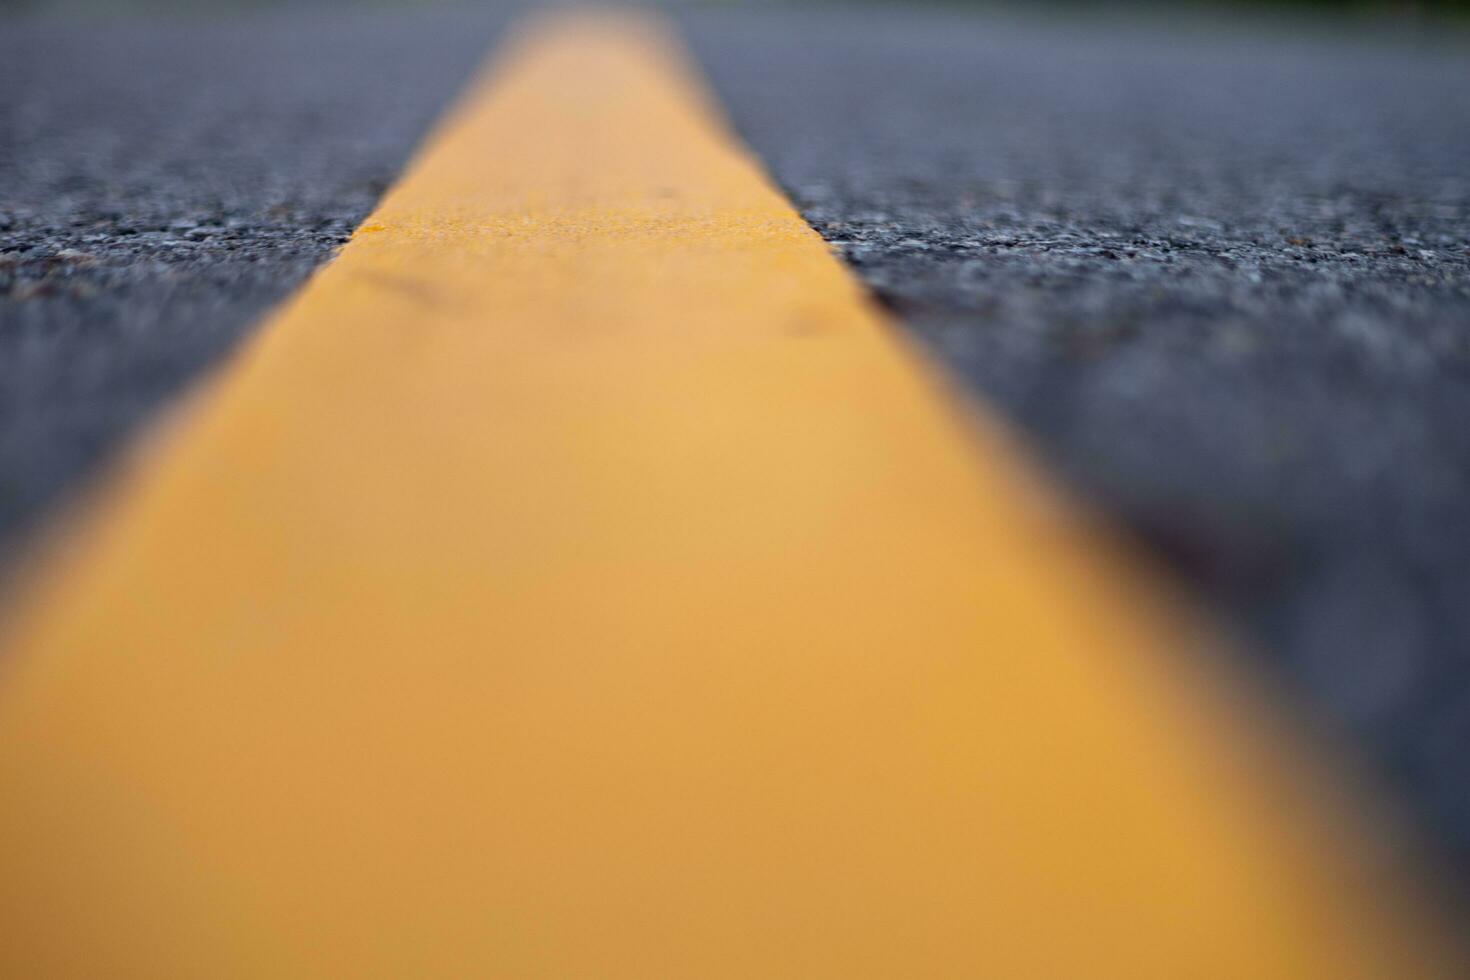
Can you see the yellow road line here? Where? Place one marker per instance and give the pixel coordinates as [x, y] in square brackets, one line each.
[576, 581]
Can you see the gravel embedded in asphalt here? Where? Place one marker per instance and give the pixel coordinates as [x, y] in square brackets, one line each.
[1220, 277]
[164, 183]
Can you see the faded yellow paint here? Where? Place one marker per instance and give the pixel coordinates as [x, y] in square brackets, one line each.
[577, 581]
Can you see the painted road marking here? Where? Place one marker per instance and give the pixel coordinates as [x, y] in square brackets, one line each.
[577, 580]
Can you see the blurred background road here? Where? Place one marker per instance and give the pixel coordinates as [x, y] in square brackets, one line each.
[1216, 265]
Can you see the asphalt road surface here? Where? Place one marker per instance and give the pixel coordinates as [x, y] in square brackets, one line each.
[1221, 277]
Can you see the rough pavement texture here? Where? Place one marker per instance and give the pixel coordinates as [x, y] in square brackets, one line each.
[163, 184]
[1222, 280]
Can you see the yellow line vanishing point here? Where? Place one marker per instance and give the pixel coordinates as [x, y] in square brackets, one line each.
[577, 580]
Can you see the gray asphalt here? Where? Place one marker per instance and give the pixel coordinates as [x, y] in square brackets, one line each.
[1220, 275]
[163, 183]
